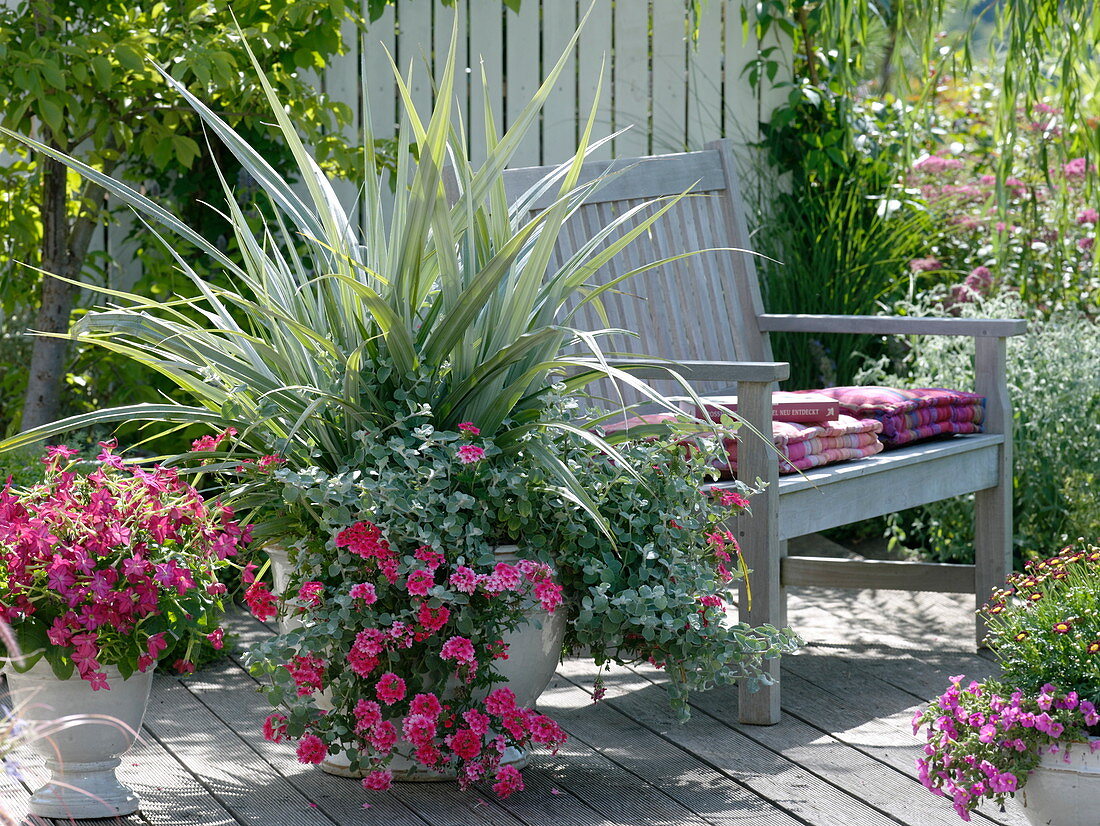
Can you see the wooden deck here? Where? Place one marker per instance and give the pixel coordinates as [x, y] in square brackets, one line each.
[843, 753]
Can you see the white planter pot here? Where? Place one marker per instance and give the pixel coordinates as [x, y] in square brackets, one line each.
[82, 758]
[1061, 792]
[533, 652]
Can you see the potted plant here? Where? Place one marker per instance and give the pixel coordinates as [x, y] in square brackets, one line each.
[1034, 729]
[100, 573]
[656, 587]
[345, 355]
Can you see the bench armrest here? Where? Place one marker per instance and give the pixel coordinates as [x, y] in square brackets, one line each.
[893, 325]
[724, 371]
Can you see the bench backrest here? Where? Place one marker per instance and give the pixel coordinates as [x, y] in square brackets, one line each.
[701, 307]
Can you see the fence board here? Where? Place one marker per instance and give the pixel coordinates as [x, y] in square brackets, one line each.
[444, 21]
[341, 83]
[524, 74]
[667, 120]
[704, 77]
[486, 51]
[594, 68]
[380, 88]
[630, 78]
[559, 117]
[414, 49]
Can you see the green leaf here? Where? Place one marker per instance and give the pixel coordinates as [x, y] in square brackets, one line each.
[104, 72]
[129, 57]
[62, 666]
[53, 115]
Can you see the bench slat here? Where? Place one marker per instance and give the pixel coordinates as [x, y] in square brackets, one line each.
[826, 572]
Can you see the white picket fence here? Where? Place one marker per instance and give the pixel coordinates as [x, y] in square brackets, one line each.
[671, 92]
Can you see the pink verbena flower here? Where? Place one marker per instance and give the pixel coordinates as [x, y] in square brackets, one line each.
[419, 583]
[469, 427]
[459, 649]
[311, 749]
[508, 782]
[465, 743]
[426, 704]
[468, 454]
[310, 593]
[464, 579]
[275, 728]
[364, 591]
[433, 559]
[500, 701]
[549, 595]
[368, 714]
[390, 688]
[261, 602]
[432, 619]
[378, 780]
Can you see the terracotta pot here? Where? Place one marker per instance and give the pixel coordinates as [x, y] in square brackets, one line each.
[82, 758]
[1064, 790]
[533, 652]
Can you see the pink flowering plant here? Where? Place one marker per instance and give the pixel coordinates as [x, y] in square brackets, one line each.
[111, 567]
[983, 739]
[397, 609]
[1034, 231]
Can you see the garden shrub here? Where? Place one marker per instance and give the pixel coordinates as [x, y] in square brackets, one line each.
[1035, 232]
[1054, 383]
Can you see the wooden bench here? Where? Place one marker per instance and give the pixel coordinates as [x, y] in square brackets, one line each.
[706, 312]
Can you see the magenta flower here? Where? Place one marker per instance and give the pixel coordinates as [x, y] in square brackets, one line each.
[378, 780]
[459, 649]
[419, 583]
[509, 781]
[468, 454]
[390, 688]
[364, 591]
[469, 427]
[311, 749]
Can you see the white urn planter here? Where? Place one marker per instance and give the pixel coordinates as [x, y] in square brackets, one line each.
[82, 757]
[1064, 789]
[534, 649]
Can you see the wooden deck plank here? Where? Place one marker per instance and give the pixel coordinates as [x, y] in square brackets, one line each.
[760, 767]
[434, 802]
[230, 695]
[886, 737]
[656, 761]
[234, 773]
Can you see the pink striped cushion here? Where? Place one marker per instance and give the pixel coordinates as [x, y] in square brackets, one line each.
[909, 416]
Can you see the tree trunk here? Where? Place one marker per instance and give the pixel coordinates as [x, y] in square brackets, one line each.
[64, 250]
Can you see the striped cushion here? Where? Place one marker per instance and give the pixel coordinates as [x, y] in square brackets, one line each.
[909, 416]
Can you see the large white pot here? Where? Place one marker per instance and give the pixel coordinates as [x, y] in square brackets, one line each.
[82, 758]
[1064, 790]
[533, 652]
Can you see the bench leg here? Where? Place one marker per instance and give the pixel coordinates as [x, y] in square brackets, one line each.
[993, 507]
[992, 545]
[758, 535]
